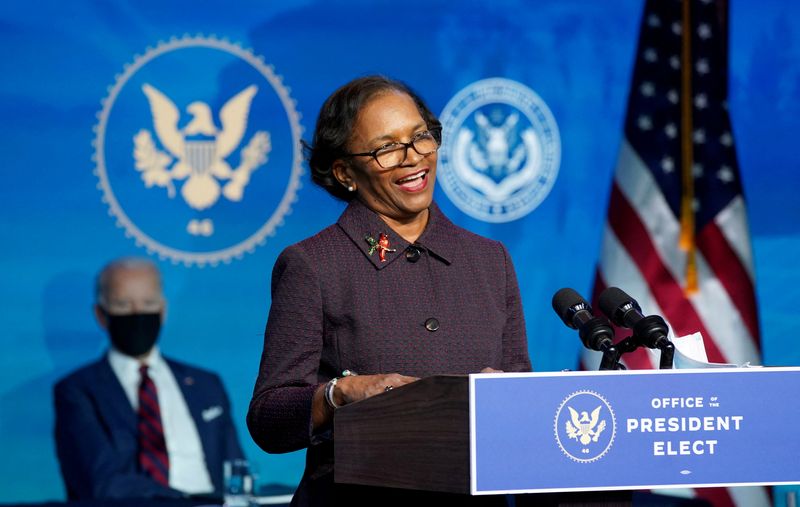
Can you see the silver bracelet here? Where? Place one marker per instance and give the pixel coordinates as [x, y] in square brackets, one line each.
[329, 387]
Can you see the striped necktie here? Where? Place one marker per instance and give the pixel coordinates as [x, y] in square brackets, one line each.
[153, 458]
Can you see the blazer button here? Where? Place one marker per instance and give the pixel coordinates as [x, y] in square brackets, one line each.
[432, 324]
[412, 254]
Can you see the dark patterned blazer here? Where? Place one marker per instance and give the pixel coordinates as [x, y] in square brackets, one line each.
[447, 304]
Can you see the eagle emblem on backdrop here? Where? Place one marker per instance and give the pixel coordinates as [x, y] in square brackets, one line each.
[197, 150]
[585, 426]
[503, 150]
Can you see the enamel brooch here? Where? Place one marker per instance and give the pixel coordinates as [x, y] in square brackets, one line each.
[381, 246]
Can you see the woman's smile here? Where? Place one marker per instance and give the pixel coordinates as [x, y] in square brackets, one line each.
[415, 182]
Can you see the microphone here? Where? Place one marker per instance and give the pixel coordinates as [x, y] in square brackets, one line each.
[624, 311]
[596, 333]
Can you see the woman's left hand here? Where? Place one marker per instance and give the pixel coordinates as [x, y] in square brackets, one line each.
[358, 387]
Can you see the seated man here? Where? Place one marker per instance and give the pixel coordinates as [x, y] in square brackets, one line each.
[134, 423]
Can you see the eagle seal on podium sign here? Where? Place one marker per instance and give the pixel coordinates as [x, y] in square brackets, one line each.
[582, 426]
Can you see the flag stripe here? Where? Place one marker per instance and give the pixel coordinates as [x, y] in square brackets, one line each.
[615, 264]
[718, 497]
[729, 270]
[636, 183]
[732, 222]
[750, 496]
[681, 315]
[641, 358]
[720, 316]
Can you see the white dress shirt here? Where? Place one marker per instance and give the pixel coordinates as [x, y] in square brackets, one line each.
[187, 464]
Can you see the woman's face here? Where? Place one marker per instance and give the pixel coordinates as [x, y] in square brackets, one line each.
[402, 192]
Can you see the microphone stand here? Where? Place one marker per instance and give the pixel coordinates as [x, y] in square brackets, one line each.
[610, 359]
[625, 346]
[630, 344]
[667, 354]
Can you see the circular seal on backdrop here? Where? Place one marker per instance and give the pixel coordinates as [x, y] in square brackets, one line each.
[585, 426]
[502, 150]
[197, 150]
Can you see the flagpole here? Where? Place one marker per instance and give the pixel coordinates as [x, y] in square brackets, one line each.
[687, 239]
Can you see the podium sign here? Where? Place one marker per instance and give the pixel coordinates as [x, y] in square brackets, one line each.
[584, 431]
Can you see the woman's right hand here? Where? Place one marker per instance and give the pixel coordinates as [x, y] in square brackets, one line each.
[358, 387]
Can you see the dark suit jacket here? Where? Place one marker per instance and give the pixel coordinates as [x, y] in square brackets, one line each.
[449, 303]
[96, 436]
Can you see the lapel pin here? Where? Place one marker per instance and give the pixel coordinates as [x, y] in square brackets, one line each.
[381, 245]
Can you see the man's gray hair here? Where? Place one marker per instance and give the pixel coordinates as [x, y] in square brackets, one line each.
[133, 263]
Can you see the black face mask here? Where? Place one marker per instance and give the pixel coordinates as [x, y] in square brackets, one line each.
[134, 334]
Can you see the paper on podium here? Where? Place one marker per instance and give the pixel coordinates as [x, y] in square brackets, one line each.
[690, 352]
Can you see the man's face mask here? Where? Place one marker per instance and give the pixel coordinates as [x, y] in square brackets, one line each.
[134, 334]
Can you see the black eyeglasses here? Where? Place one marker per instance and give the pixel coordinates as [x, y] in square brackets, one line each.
[394, 154]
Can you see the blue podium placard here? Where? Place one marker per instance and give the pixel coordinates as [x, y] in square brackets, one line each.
[584, 431]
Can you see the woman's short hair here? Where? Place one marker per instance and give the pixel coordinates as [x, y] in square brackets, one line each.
[336, 121]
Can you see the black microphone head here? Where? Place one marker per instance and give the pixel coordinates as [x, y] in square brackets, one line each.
[566, 302]
[615, 302]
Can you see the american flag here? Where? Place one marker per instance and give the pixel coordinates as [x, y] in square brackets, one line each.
[676, 236]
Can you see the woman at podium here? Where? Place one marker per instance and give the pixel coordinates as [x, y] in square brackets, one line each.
[392, 292]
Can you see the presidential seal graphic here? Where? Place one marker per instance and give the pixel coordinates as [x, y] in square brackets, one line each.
[585, 426]
[197, 150]
[502, 150]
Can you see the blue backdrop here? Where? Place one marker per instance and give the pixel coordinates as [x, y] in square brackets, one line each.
[71, 102]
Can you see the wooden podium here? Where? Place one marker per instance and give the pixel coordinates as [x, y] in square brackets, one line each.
[419, 432]
[418, 437]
